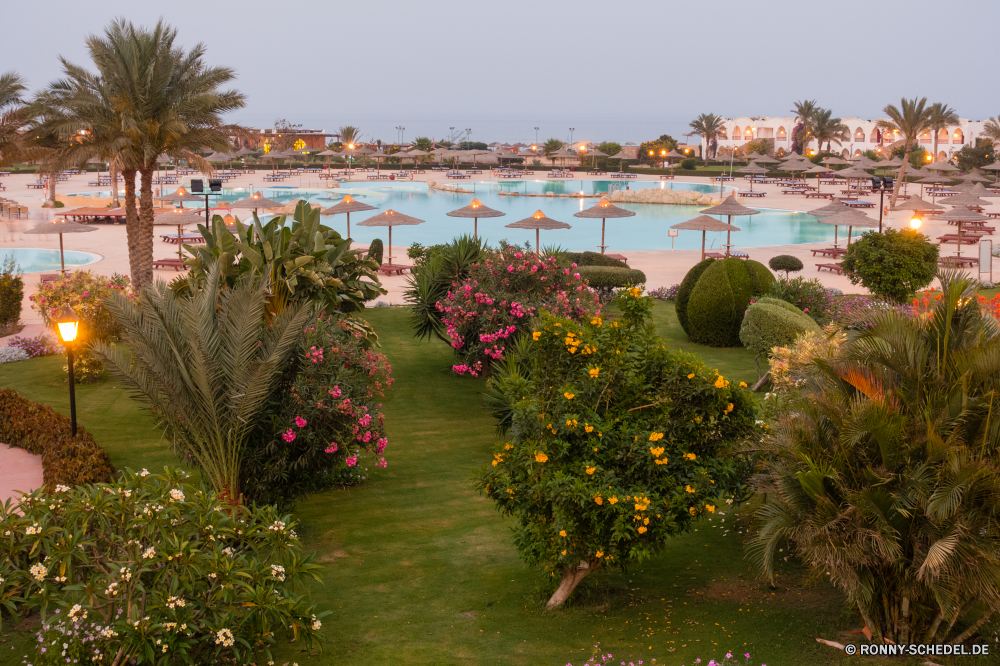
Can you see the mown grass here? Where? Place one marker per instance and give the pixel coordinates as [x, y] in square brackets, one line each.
[419, 569]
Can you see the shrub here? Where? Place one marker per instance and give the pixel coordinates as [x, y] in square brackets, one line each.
[11, 294]
[689, 164]
[685, 289]
[435, 270]
[720, 298]
[169, 574]
[592, 259]
[41, 430]
[893, 264]
[375, 250]
[11, 354]
[665, 293]
[615, 442]
[605, 279]
[319, 423]
[808, 295]
[41, 345]
[792, 365]
[771, 323]
[785, 262]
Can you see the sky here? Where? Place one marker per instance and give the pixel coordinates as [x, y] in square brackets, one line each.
[625, 70]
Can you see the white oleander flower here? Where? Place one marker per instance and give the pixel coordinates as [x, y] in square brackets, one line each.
[224, 637]
[278, 571]
[38, 571]
[177, 495]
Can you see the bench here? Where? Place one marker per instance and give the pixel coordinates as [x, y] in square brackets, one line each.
[619, 257]
[458, 176]
[830, 251]
[176, 264]
[398, 269]
[818, 195]
[959, 262]
[666, 176]
[36, 186]
[834, 268]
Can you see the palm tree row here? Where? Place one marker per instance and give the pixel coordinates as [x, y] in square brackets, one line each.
[708, 126]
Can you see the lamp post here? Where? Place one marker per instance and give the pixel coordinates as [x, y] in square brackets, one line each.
[915, 222]
[571, 130]
[536, 137]
[468, 131]
[68, 324]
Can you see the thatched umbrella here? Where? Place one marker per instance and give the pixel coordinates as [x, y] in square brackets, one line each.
[377, 156]
[752, 168]
[995, 167]
[181, 218]
[752, 156]
[621, 157]
[389, 218]
[941, 166]
[817, 169]
[791, 167]
[729, 208]
[849, 218]
[961, 215]
[918, 205]
[855, 172]
[973, 177]
[604, 209]
[965, 199]
[704, 223]
[347, 205]
[255, 201]
[60, 226]
[415, 153]
[834, 160]
[537, 222]
[831, 208]
[766, 159]
[933, 179]
[564, 154]
[476, 209]
[978, 190]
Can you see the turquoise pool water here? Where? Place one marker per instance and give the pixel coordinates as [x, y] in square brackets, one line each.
[37, 260]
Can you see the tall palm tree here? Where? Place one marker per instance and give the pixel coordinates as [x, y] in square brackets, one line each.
[825, 128]
[941, 116]
[991, 130]
[348, 134]
[550, 147]
[708, 126]
[15, 114]
[909, 121]
[805, 110]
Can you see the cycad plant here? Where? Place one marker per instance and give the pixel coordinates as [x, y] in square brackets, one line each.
[207, 364]
[884, 472]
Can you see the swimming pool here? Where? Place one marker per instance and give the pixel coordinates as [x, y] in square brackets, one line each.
[37, 260]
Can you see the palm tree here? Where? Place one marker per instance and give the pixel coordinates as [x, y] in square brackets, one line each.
[825, 128]
[708, 126]
[423, 143]
[348, 135]
[550, 147]
[15, 143]
[883, 473]
[909, 121]
[805, 110]
[991, 130]
[941, 116]
[206, 364]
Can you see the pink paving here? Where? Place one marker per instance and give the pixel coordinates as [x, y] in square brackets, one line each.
[22, 472]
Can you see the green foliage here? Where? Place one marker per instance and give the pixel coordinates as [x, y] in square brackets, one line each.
[785, 262]
[11, 294]
[689, 164]
[893, 264]
[207, 364]
[685, 289]
[720, 298]
[759, 146]
[969, 158]
[550, 147]
[807, 295]
[891, 445]
[770, 323]
[375, 250]
[169, 573]
[303, 261]
[918, 158]
[39, 429]
[589, 258]
[659, 147]
[615, 443]
[605, 279]
[435, 269]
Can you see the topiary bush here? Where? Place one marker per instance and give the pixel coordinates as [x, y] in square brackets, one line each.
[689, 164]
[11, 294]
[893, 264]
[720, 298]
[606, 279]
[684, 291]
[785, 262]
[375, 250]
[589, 258]
[771, 323]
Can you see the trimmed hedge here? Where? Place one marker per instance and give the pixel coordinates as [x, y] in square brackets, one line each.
[685, 289]
[589, 258]
[41, 430]
[605, 279]
[375, 250]
[720, 298]
[771, 323]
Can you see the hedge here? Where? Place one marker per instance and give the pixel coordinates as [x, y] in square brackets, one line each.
[785, 305]
[608, 278]
[589, 258]
[720, 298]
[771, 323]
[375, 250]
[684, 292]
[41, 430]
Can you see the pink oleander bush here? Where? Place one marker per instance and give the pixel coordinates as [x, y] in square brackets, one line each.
[41, 345]
[486, 312]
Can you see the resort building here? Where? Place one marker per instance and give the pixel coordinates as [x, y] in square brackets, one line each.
[304, 138]
[864, 135]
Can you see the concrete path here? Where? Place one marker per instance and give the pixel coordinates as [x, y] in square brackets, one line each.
[22, 472]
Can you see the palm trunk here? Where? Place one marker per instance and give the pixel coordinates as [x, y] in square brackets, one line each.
[935, 144]
[143, 270]
[973, 629]
[131, 224]
[570, 579]
[902, 176]
[52, 189]
[115, 203]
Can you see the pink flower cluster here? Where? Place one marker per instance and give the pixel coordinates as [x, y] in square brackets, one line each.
[473, 369]
[315, 355]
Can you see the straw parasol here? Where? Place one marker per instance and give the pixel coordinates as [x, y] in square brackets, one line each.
[564, 154]
[830, 209]
[60, 226]
[918, 205]
[961, 215]
[834, 160]
[766, 159]
[389, 218]
[476, 209]
[255, 201]
[414, 153]
[604, 209]
[849, 218]
[994, 167]
[181, 194]
[751, 169]
[941, 166]
[347, 205]
[973, 177]
[704, 223]
[181, 218]
[752, 156]
[978, 190]
[965, 199]
[817, 169]
[538, 221]
[729, 208]
[621, 157]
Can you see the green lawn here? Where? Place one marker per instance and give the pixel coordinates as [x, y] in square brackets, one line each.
[421, 570]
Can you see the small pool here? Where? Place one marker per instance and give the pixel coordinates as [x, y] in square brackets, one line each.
[37, 260]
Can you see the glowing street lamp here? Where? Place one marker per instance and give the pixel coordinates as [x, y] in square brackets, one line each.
[68, 325]
[915, 222]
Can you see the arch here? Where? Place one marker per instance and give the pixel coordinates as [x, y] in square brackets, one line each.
[781, 134]
[925, 137]
[941, 157]
[722, 134]
[943, 136]
[958, 136]
[859, 135]
[737, 134]
[857, 152]
[873, 137]
[748, 133]
[845, 153]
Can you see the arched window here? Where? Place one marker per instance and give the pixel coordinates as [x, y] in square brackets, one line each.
[943, 136]
[958, 136]
[737, 135]
[873, 137]
[859, 135]
[857, 152]
[722, 134]
[844, 152]
[942, 157]
[925, 137]
[782, 135]
[748, 133]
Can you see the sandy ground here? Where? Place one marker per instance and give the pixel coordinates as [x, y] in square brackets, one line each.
[662, 267]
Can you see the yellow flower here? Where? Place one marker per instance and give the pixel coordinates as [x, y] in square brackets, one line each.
[662, 461]
[720, 382]
[612, 500]
[729, 408]
[656, 451]
[536, 335]
[564, 552]
[594, 372]
[645, 521]
[591, 470]
[596, 321]
[599, 553]
[540, 457]
[562, 533]
[508, 446]
[570, 340]
[697, 419]
[635, 292]
[691, 376]
[494, 463]
[642, 530]
[690, 456]
[599, 499]
[710, 507]
[655, 436]
[568, 395]
[689, 489]
[693, 511]
[588, 428]
[572, 350]
[743, 384]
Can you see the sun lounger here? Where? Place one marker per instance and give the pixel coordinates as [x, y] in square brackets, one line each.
[818, 195]
[749, 193]
[835, 268]
[186, 238]
[457, 176]
[177, 264]
[398, 269]
[794, 190]
[857, 203]
[36, 186]
[830, 251]
[666, 176]
[45, 278]
[959, 262]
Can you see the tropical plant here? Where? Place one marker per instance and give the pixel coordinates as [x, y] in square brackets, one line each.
[908, 122]
[15, 114]
[150, 569]
[423, 143]
[807, 294]
[893, 264]
[349, 135]
[375, 251]
[991, 130]
[302, 261]
[11, 295]
[613, 442]
[941, 116]
[827, 129]
[550, 147]
[805, 110]
[435, 270]
[708, 126]
[881, 474]
[207, 364]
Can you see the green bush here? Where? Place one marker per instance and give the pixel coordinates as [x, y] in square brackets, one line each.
[375, 250]
[720, 298]
[11, 294]
[893, 264]
[685, 289]
[435, 269]
[689, 164]
[771, 323]
[150, 569]
[592, 259]
[807, 295]
[785, 262]
[605, 279]
[41, 430]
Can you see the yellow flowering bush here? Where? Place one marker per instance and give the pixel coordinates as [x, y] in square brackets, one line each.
[791, 365]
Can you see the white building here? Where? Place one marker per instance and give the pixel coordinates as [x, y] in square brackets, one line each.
[865, 135]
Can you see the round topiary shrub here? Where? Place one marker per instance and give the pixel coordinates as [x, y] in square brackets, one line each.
[785, 262]
[893, 264]
[771, 323]
[685, 289]
[720, 298]
[689, 164]
[375, 250]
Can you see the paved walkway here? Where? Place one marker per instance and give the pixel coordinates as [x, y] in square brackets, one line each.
[22, 472]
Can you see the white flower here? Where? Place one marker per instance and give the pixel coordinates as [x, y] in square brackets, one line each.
[278, 571]
[224, 637]
[175, 602]
[227, 551]
[277, 526]
[126, 574]
[108, 632]
[112, 589]
[61, 488]
[177, 495]
[38, 571]
[77, 614]
[144, 472]
[60, 579]
[149, 553]
[316, 624]
[33, 529]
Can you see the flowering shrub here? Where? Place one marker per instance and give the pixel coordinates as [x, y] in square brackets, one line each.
[808, 295]
[152, 569]
[329, 416]
[41, 345]
[665, 293]
[855, 312]
[12, 354]
[486, 312]
[11, 294]
[614, 445]
[791, 365]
